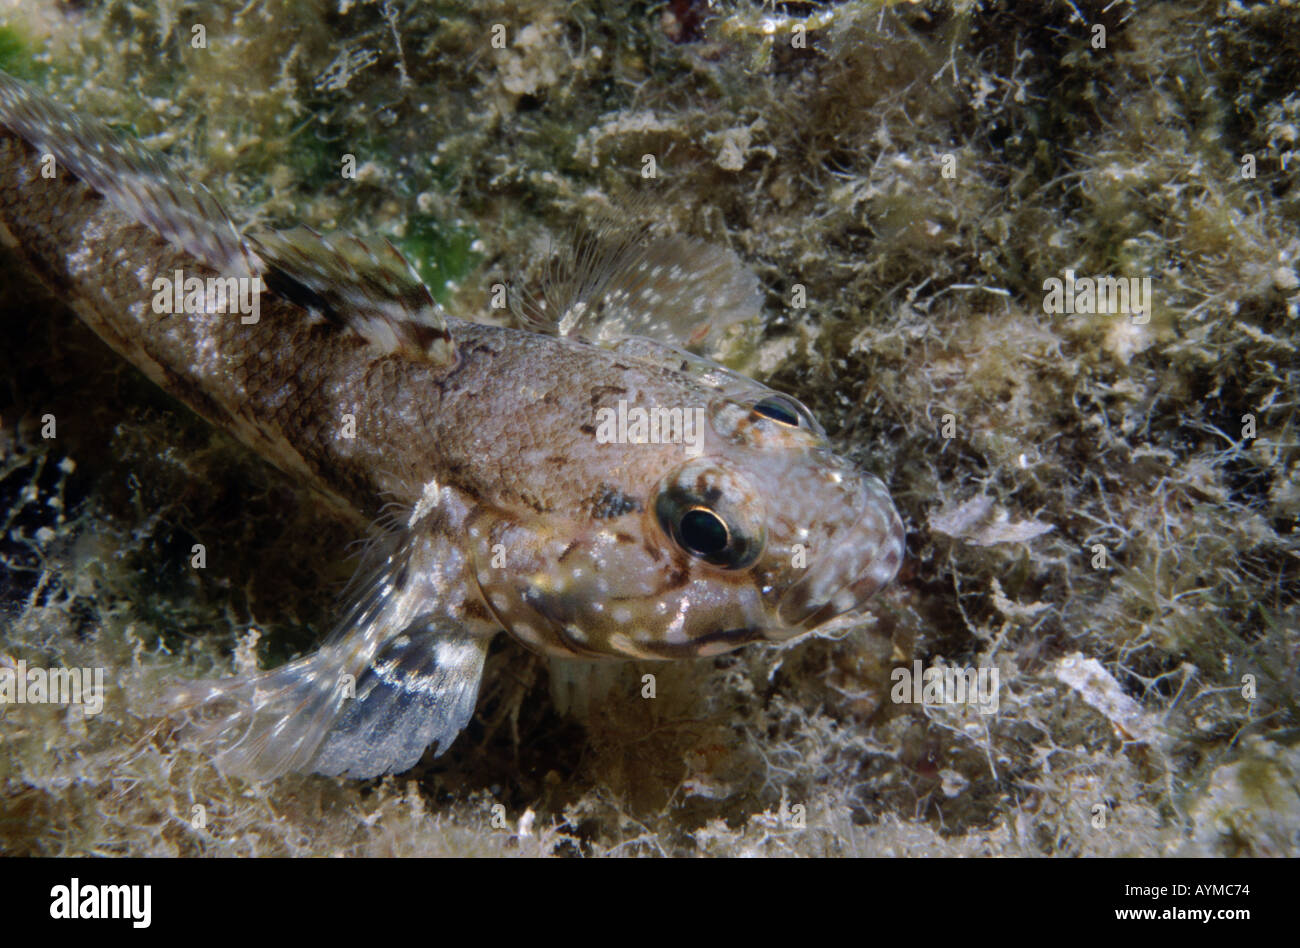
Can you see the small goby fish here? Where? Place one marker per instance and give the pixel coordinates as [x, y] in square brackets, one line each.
[582, 482]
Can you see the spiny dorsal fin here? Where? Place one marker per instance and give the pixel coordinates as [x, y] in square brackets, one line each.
[137, 181]
[613, 284]
[363, 283]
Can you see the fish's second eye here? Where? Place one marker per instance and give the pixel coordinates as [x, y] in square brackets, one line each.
[778, 409]
[784, 410]
[703, 532]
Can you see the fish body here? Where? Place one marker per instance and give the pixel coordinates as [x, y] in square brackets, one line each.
[585, 483]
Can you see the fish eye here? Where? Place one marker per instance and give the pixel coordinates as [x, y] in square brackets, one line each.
[703, 532]
[709, 515]
[786, 411]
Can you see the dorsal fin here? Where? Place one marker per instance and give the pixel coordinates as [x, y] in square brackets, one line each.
[616, 283]
[363, 283]
[137, 181]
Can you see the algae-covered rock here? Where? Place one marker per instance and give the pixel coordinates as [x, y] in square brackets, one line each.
[1252, 805]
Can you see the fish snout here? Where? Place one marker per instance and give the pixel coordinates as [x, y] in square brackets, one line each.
[862, 552]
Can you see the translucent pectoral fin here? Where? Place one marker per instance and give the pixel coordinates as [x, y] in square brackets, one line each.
[260, 727]
[420, 690]
[399, 672]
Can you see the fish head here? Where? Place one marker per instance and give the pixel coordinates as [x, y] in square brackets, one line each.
[797, 533]
[748, 529]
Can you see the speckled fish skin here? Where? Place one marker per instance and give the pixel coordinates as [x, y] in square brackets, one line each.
[514, 516]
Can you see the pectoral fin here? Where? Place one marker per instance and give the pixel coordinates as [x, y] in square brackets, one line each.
[397, 674]
[420, 690]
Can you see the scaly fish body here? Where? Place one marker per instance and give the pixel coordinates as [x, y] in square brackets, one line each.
[520, 512]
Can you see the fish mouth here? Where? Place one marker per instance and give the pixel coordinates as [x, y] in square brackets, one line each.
[866, 557]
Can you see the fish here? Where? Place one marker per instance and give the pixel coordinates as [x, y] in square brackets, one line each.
[584, 479]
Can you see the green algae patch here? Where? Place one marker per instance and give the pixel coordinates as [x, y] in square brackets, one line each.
[443, 254]
[16, 55]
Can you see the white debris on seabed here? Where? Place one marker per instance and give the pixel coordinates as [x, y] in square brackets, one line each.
[1088, 678]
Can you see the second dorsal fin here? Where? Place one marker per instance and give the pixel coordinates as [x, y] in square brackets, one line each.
[137, 181]
[363, 283]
